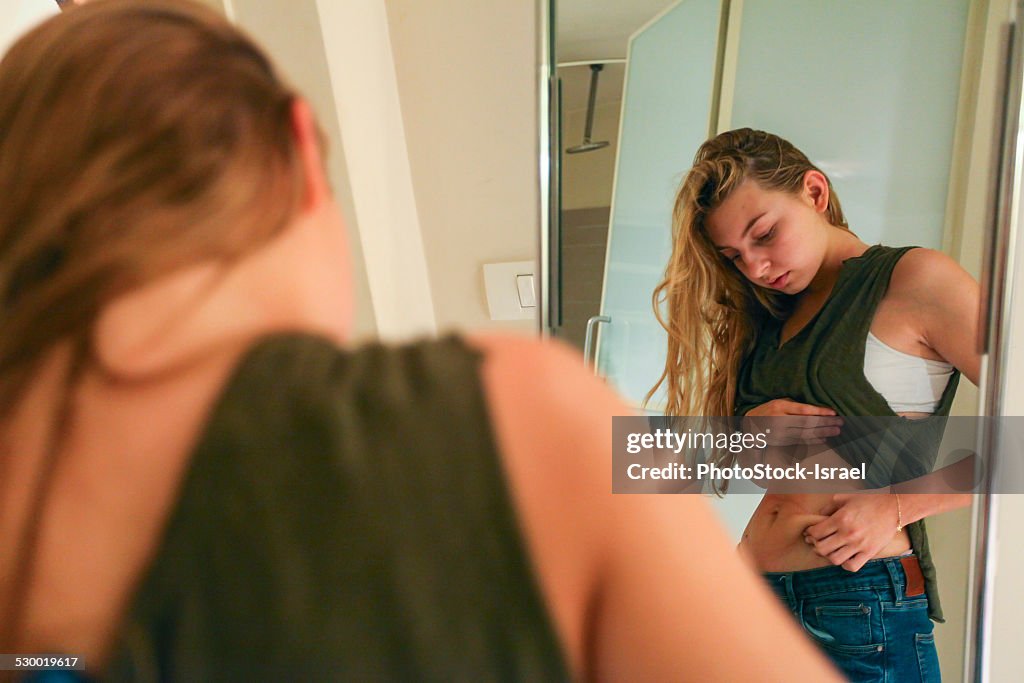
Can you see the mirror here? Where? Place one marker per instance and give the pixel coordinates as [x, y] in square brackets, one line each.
[894, 101]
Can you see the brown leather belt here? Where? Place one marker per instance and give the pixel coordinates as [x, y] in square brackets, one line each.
[915, 579]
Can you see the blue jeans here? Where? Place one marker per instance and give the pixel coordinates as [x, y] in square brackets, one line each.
[863, 620]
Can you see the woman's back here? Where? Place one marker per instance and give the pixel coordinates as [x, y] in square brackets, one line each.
[351, 511]
[108, 496]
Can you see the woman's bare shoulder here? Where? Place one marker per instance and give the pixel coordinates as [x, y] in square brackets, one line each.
[543, 399]
[552, 425]
[923, 274]
[550, 373]
[941, 300]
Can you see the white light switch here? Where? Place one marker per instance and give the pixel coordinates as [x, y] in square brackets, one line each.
[511, 290]
[527, 294]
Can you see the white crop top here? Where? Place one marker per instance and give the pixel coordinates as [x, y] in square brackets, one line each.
[908, 383]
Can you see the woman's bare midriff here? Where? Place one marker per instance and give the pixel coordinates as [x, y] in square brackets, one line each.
[774, 537]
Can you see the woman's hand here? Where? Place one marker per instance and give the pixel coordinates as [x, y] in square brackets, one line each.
[858, 526]
[804, 424]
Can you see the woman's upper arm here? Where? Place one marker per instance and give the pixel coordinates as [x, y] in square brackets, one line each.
[947, 300]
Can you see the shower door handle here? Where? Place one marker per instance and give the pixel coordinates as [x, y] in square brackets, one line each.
[588, 341]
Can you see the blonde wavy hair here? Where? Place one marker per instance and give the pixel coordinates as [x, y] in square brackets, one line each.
[708, 308]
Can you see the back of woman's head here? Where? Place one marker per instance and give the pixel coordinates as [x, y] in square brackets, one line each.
[137, 137]
[706, 305]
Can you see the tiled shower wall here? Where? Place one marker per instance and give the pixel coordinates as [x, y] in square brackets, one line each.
[584, 241]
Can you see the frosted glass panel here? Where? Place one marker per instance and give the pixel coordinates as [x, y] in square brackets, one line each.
[665, 117]
[868, 89]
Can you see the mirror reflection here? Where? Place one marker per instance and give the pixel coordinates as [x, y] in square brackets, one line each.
[892, 107]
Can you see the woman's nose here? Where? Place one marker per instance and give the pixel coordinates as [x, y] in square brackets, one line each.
[759, 265]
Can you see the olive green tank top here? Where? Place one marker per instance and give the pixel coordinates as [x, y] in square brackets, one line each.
[344, 517]
[823, 364]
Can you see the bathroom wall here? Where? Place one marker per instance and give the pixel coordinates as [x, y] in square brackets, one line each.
[470, 108]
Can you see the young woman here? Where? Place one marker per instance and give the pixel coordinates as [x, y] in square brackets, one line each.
[201, 482]
[774, 307]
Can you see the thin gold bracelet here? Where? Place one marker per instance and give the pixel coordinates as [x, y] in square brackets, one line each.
[899, 514]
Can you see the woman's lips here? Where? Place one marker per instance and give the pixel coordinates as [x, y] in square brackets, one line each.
[780, 281]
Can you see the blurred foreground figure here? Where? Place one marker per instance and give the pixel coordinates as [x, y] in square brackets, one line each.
[200, 481]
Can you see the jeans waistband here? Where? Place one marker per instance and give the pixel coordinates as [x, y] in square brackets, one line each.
[885, 574]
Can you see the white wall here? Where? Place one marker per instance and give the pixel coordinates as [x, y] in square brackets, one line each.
[360, 55]
[18, 16]
[339, 56]
[438, 128]
[469, 103]
[291, 35]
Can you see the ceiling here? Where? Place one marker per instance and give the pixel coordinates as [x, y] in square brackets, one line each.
[600, 29]
[596, 31]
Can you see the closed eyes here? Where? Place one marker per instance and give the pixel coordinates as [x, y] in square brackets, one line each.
[760, 239]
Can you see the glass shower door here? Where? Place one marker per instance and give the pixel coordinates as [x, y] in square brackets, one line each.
[666, 111]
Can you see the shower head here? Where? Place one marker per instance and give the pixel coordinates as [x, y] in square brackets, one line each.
[587, 145]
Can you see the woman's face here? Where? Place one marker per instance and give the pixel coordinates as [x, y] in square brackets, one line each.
[776, 239]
